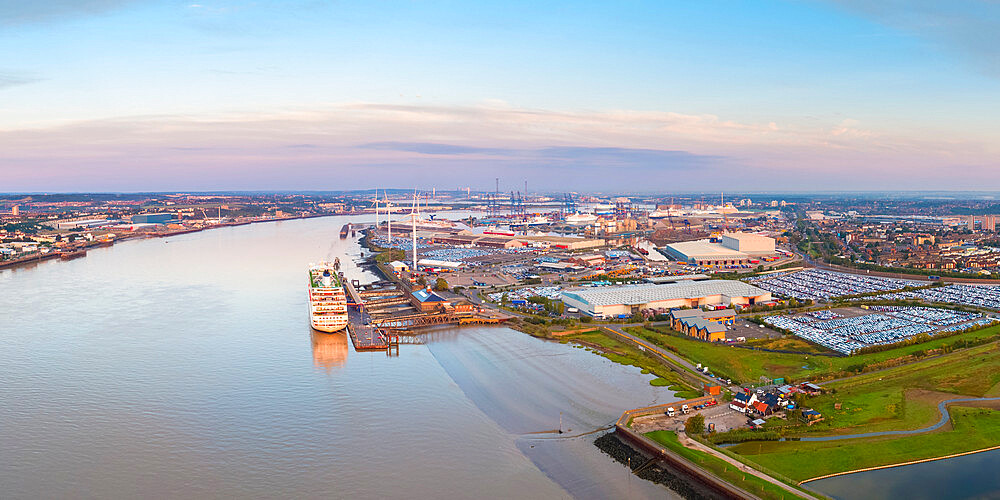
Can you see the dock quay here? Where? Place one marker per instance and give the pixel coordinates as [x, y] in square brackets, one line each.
[364, 335]
[377, 316]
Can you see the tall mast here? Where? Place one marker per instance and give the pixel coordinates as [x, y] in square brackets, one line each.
[388, 214]
[415, 213]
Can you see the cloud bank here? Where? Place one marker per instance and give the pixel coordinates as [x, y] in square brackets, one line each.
[359, 145]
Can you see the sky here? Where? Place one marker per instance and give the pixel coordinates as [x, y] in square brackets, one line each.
[659, 96]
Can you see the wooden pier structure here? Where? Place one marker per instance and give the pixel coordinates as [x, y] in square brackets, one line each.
[375, 322]
[364, 335]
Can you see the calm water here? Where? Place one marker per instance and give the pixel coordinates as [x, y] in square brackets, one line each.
[970, 476]
[185, 368]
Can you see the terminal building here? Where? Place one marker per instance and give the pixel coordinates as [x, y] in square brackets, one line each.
[614, 301]
[732, 249]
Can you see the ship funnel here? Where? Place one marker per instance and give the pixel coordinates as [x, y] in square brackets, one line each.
[326, 279]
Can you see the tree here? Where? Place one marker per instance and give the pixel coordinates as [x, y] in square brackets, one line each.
[694, 425]
[441, 284]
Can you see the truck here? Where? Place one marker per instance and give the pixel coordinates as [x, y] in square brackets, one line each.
[685, 410]
[671, 411]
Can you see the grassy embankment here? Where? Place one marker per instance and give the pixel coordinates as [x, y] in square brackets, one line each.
[900, 398]
[971, 429]
[745, 365]
[721, 468]
[626, 354]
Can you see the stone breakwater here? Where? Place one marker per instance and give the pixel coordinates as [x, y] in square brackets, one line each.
[677, 481]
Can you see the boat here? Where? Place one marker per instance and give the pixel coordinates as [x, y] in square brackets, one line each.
[426, 224]
[344, 230]
[495, 231]
[72, 254]
[327, 300]
[604, 209]
[581, 219]
[538, 220]
[660, 214]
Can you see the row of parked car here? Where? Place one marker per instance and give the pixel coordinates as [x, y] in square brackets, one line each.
[819, 284]
[685, 409]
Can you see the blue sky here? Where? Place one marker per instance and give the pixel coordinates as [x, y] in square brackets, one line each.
[642, 96]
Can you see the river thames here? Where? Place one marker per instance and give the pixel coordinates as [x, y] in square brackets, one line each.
[185, 367]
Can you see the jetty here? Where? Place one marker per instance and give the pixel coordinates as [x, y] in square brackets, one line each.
[364, 335]
[377, 316]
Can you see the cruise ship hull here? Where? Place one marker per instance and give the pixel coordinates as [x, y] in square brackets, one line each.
[327, 328]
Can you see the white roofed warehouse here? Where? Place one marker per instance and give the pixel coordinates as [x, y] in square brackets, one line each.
[612, 301]
[733, 249]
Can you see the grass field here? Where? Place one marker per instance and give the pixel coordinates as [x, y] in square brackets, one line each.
[721, 468]
[905, 397]
[746, 365]
[971, 429]
[899, 398]
[626, 354]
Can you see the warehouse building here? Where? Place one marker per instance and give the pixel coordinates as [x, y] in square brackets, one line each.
[733, 249]
[160, 218]
[614, 301]
[706, 325]
[85, 223]
[749, 243]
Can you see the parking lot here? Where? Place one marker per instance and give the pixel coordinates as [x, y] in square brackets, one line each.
[750, 331]
[848, 329]
[818, 284]
[985, 296]
[724, 418]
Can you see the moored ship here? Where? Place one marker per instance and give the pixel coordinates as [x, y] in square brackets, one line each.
[327, 300]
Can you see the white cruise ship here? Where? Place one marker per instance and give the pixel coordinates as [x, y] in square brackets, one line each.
[581, 219]
[327, 301]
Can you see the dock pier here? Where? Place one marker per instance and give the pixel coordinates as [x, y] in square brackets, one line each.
[374, 321]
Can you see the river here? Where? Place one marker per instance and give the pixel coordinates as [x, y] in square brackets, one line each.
[184, 367]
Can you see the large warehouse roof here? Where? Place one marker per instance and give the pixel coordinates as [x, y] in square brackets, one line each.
[704, 249]
[646, 293]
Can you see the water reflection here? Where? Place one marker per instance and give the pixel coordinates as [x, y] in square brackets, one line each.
[329, 349]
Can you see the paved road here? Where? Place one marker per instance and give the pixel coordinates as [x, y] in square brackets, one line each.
[945, 417]
[695, 445]
[670, 357]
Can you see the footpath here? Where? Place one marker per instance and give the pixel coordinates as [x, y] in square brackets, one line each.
[695, 445]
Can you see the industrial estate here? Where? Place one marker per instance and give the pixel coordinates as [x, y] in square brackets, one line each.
[803, 337]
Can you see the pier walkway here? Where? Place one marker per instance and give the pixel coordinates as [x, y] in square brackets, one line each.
[364, 335]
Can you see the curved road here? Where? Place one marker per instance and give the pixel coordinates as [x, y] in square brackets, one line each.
[945, 417]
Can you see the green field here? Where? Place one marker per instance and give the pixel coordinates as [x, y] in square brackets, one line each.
[746, 365]
[626, 354]
[905, 397]
[721, 468]
[900, 398]
[972, 429]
